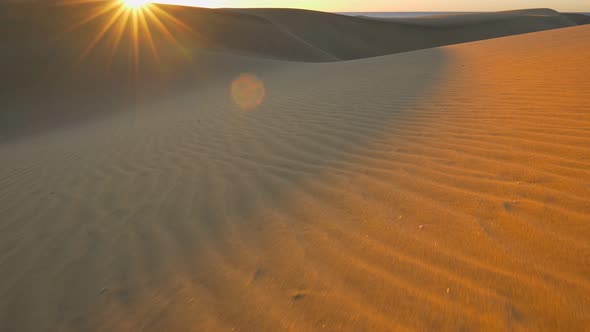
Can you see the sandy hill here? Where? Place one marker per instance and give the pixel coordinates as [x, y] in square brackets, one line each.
[290, 34]
[577, 18]
[43, 43]
[347, 38]
[441, 189]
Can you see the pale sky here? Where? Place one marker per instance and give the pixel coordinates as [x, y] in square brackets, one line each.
[395, 5]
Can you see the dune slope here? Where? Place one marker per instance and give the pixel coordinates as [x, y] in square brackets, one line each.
[442, 189]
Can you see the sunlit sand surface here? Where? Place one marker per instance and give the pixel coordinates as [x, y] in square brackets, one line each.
[228, 189]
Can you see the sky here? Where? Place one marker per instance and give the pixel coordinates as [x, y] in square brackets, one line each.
[395, 5]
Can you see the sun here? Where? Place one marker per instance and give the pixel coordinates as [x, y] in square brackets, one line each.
[135, 4]
[142, 24]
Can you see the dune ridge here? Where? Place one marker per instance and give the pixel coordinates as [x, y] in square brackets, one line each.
[346, 37]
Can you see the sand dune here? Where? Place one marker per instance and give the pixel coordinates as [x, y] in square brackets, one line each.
[287, 34]
[579, 19]
[441, 189]
[348, 38]
[45, 85]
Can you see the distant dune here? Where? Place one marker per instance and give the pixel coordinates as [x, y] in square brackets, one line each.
[345, 37]
[252, 181]
[579, 19]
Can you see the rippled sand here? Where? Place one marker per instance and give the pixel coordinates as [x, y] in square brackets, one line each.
[441, 189]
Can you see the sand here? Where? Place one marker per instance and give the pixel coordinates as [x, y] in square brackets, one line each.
[439, 189]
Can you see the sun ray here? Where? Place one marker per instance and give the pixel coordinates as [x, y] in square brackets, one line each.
[141, 24]
[162, 27]
[76, 2]
[101, 34]
[122, 26]
[172, 19]
[94, 16]
[149, 37]
[135, 41]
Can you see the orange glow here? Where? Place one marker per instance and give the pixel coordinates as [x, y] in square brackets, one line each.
[133, 21]
[135, 4]
[248, 91]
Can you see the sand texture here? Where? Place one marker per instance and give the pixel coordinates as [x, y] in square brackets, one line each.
[443, 189]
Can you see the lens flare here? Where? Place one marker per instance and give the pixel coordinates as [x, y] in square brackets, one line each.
[248, 91]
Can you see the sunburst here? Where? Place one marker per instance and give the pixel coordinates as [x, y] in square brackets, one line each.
[135, 4]
[135, 21]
